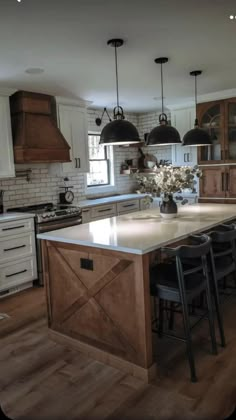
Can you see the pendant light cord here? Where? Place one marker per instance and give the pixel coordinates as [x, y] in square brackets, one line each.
[117, 83]
[162, 94]
[196, 119]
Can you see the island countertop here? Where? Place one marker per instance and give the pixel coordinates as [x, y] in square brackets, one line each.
[144, 231]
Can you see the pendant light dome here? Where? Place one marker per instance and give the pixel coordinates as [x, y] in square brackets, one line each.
[196, 136]
[118, 131]
[163, 134]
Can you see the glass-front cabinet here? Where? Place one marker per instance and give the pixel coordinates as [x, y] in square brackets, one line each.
[218, 118]
[211, 118]
[230, 130]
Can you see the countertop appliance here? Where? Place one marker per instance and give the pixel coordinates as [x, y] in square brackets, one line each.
[49, 216]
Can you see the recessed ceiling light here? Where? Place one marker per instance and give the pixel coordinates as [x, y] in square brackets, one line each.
[19, 1]
[231, 17]
[34, 70]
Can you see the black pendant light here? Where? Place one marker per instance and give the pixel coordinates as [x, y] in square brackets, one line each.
[196, 136]
[163, 134]
[119, 131]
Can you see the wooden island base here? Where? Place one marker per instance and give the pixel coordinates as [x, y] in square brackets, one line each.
[98, 300]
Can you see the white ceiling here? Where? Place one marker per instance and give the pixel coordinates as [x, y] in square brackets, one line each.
[67, 38]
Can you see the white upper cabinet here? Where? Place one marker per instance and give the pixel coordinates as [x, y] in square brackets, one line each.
[72, 121]
[7, 168]
[183, 121]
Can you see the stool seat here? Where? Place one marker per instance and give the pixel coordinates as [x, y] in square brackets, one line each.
[164, 283]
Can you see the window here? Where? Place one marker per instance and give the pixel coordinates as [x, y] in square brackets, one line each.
[99, 163]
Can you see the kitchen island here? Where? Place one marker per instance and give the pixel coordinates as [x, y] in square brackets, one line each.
[97, 281]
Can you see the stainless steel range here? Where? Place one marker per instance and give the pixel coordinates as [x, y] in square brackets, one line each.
[50, 217]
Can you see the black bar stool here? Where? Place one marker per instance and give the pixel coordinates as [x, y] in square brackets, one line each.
[180, 283]
[224, 252]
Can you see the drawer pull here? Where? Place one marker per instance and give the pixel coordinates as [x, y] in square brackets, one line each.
[85, 211]
[15, 247]
[15, 227]
[100, 211]
[14, 274]
[128, 205]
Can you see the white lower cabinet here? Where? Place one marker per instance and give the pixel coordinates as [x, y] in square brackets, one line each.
[17, 273]
[128, 206]
[109, 210]
[18, 266]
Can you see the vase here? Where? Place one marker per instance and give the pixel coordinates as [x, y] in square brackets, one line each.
[168, 207]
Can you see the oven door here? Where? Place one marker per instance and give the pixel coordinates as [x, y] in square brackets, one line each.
[58, 224]
[47, 227]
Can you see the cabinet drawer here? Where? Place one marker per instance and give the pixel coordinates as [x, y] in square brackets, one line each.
[18, 246]
[17, 272]
[103, 211]
[15, 227]
[86, 215]
[127, 206]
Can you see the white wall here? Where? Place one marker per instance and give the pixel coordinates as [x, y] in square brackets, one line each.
[44, 187]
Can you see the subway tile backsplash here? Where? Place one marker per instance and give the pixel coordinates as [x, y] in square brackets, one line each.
[44, 187]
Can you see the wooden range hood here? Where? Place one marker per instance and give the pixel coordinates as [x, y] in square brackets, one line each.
[36, 137]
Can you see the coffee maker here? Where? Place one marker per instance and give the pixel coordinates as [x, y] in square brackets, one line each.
[1, 201]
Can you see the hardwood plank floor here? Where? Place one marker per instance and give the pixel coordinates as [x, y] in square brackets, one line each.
[40, 379]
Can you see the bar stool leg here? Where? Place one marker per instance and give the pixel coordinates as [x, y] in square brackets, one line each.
[189, 342]
[161, 318]
[210, 315]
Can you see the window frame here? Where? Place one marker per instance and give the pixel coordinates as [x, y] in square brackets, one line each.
[109, 158]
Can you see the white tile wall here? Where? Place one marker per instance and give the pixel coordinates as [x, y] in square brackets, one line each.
[44, 187]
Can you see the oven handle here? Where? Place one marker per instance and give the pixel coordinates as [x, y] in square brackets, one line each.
[46, 227]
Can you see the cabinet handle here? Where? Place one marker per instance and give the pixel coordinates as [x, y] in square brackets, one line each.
[85, 211]
[128, 205]
[184, 157]
[221, 155]
[77, 163]
[100, 211]
[14, 274]
[227, 181]
[12, 228]
[222, 182]
[15, 247]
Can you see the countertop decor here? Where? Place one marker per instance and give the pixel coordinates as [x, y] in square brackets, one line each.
[167, 181]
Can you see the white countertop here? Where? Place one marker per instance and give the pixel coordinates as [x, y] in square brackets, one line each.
[10, 217]
[106, 200]
[122, 197]
[144, 231]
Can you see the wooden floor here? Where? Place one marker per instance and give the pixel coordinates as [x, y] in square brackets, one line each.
[40, 379]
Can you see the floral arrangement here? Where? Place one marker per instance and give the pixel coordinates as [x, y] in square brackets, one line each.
[169, 180]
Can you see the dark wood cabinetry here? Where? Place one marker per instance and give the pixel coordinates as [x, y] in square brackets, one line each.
[218, 118]
[218, 182]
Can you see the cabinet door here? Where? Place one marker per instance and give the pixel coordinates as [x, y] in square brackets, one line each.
[211, 119]
[231, 182]
[73, 125]
[183, 121]
[7, 168]
[86, 215]
[230, 130]
[212, 183]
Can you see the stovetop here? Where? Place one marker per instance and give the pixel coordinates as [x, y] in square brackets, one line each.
[49, 211]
